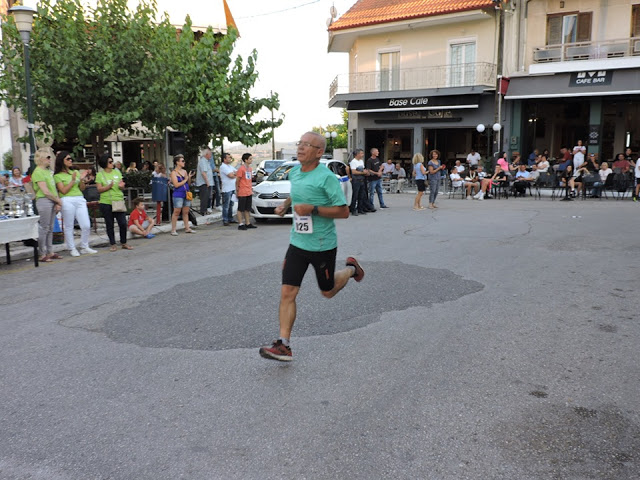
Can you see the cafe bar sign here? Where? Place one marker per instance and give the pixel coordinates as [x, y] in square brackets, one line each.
[444, 102]
[590, 78]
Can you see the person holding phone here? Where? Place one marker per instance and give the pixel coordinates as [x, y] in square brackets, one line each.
[180, 181]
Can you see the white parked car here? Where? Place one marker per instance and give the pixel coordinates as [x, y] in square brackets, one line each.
[276, 188]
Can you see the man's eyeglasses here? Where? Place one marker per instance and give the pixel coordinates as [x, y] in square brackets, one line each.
[306, 144]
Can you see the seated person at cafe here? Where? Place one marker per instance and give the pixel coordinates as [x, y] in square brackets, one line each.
[402, 177]
[459, 167]
[522, 179]
[456, 179]
[542, 163]
[622, 164]
[497, 178]
[139, 222]
[472, 182]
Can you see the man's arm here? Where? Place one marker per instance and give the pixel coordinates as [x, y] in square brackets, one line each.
[341, 211]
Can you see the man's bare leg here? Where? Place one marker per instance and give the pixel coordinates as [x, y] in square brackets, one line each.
[288, 294]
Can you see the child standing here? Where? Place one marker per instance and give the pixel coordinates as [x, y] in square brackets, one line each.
[243, 192]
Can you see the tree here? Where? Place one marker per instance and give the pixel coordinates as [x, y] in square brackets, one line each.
[205, 93]
[342, 140]
[102, 70]
[90, 69]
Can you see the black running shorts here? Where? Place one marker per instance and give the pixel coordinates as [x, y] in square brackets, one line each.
[297, 261]
[244, 204]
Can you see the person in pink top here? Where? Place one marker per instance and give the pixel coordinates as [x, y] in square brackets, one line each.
[502, 161]
[243, 192]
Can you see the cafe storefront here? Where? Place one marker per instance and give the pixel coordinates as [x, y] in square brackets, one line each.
[400, 126]
[600, 107]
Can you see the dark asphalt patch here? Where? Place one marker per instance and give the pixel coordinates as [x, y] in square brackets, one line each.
[241, 310]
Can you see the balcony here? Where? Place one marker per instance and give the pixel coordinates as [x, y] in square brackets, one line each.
[442, 76]
[570, 52]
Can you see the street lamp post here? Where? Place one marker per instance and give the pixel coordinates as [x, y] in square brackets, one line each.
[481, 128]
[330, 136]
[23, 17]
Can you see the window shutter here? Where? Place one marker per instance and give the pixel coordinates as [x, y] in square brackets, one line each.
[635, 21]
[554, 30]
[584, 27]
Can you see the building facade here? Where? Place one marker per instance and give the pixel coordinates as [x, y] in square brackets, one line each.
[579, 77]
[423, 75]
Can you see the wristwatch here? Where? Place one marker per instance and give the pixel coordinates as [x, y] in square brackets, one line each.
[315, 210]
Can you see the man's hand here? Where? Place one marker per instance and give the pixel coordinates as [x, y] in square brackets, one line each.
[303, 209]
[283, 207]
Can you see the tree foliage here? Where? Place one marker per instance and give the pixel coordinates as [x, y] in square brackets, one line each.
[100, 70]
[341, 129]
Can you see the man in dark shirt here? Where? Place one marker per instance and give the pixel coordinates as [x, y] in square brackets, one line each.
[374, 165]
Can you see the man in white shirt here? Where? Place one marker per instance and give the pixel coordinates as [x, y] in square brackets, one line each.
[473, 158]
[358, 176]
[228, 177]
[459, 167]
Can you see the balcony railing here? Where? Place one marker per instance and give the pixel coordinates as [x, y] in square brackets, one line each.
[569, 52]
[441, 76]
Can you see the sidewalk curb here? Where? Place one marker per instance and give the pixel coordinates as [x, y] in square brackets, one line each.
[21, 252]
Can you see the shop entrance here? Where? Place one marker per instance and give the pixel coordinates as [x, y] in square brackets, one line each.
[395, 144]
[452, 143]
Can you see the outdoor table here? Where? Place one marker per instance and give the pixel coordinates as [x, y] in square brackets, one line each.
[17, 229]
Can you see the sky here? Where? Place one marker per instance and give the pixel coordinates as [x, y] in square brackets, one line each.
[291, 39]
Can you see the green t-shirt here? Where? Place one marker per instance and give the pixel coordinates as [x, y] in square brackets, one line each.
[65, 179]
[318, 187]
[43, 175]
[114, 194]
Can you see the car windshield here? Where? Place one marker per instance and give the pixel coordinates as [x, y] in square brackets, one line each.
[280, 173]
[272, 165]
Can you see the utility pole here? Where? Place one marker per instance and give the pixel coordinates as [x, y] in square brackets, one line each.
[273, 133]
[499, 6]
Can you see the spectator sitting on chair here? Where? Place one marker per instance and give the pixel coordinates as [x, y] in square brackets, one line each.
[498, 177]
[622, 163]
[533, 157]
[502, 161]
[139, 223]
[459, 167]
[521, 182]
[132, 167]
[388, 168]
[542, 163]
[604, 172]
[456, 179]
[402, 177]
[472, 182]
[534, 174]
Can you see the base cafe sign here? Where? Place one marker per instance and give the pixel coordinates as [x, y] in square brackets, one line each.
[408, 102]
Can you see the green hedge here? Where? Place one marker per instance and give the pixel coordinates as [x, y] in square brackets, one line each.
[138, 180]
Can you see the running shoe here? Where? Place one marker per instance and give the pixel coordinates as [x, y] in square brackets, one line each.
[251, 225]
[150, 235]
[276, 351]
[242, 227]
[74, 252]
[87, 251]
[352, 262]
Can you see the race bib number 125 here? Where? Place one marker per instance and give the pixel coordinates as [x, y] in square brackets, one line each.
[302, 224]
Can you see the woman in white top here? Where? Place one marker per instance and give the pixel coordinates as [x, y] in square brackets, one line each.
[604, 172]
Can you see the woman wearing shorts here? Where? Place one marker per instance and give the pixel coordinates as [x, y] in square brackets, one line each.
[180, 181]
[420, 174]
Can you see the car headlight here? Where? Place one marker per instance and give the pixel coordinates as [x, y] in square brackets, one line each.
[254, 194]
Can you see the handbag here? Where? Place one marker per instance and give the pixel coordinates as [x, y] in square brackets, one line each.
[118, 206]
[189, 196]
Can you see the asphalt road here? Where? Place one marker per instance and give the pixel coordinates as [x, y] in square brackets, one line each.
[488, 340]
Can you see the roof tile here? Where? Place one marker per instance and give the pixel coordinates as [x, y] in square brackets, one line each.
[370, 12]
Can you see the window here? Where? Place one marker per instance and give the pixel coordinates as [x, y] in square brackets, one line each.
[569, 28]
[389, 70]
[463, 57]
[635, 21]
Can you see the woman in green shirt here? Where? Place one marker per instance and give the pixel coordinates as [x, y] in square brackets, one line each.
[48, 202]
[70, 185]
[110, 184]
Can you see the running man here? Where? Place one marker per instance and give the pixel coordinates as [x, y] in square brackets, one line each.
[317, 199]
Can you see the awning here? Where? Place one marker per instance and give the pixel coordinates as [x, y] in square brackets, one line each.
[575, 84]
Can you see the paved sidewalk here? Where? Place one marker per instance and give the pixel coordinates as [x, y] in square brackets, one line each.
[99, 239]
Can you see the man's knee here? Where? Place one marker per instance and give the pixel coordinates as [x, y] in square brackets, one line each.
[288, 293]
